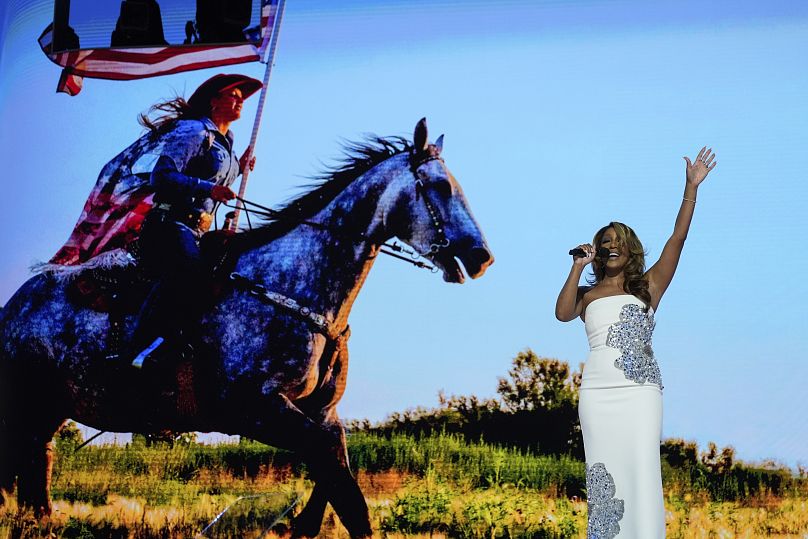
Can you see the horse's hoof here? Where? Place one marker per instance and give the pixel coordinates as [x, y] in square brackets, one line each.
[43, 513]
[299, 534]
[281, 530]
[302, 529]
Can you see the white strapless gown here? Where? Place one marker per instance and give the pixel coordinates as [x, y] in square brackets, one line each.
[620, 410]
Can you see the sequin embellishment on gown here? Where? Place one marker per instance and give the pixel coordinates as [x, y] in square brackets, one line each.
[604, 511]
[632, 336]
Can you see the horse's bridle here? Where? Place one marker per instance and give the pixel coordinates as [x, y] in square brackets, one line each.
[430, 154]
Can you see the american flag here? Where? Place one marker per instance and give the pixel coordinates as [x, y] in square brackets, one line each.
[142, 62]
[114, 212]
[107, 222]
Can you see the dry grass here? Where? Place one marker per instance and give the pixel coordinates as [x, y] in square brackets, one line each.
[173, 493]
[134, 518]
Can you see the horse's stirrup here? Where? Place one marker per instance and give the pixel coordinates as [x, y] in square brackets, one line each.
[141, 357]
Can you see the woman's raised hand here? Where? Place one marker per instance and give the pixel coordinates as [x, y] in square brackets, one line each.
[584, 260]
[696, 172]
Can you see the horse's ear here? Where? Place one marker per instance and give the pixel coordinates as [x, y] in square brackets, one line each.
[439, 144]
[419, 138]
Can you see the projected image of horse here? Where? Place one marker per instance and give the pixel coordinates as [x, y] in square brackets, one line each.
[274, 360]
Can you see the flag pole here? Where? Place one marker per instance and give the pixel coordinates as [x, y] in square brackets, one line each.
[270, 59]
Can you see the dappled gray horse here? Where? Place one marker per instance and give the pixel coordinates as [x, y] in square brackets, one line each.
[275, 339]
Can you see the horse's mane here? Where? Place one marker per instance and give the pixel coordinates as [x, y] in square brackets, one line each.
[359, 157]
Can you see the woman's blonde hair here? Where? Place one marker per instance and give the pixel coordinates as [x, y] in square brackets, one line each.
[634, 270]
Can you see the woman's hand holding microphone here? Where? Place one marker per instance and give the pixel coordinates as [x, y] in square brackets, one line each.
[583, 254]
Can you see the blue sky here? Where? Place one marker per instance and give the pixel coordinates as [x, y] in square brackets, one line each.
[559, 117]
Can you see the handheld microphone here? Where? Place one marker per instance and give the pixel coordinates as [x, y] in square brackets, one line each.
[602, 252]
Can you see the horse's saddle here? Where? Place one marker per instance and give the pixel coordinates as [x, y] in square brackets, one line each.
[121, 290]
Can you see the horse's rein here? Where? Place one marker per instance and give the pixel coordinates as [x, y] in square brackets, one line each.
[430, 154]
[395, 247]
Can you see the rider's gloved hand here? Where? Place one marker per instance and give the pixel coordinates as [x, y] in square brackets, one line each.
[222, 193]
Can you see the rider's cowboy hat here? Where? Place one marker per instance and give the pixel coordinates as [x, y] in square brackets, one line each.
[222, 82]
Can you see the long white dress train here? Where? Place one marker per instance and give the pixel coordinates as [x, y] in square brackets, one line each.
[620, 409]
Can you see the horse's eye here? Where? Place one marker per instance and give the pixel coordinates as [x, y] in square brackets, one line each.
[442, 187]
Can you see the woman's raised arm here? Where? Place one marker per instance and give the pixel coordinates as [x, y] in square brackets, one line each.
[661, 274]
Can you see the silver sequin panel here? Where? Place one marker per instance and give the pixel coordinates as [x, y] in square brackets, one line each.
[632, 336]
[604, 511]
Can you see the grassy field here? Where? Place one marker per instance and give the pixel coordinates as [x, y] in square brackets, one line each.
[437, 487]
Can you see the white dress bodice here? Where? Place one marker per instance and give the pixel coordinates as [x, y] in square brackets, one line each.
[619, 329]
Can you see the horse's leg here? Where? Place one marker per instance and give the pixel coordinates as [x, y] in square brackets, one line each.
[283, 425]
[310, 519]
[38, 404]
[8, 457]
[8, 461]
[35, 450]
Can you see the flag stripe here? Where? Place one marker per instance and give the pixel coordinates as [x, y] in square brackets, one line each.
[91, 66]
[116, 75]
[69, 84]
[151, 55]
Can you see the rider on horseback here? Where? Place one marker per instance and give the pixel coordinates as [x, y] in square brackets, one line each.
[184, 199]
[188, 158]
